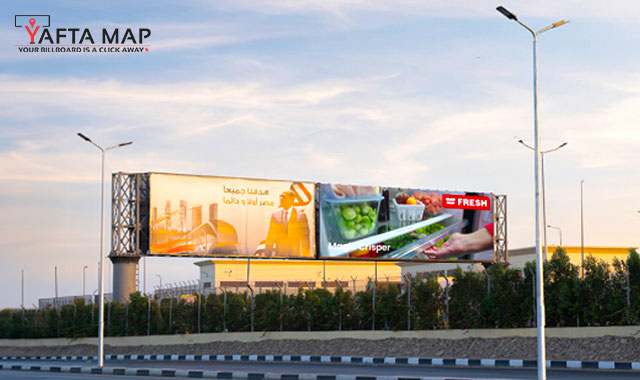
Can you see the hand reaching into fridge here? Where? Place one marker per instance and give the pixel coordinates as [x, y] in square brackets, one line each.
[460, 244]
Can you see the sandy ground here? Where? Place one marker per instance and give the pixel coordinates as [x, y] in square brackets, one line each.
[606, 348]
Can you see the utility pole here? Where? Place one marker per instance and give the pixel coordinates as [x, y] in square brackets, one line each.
[542, 369]
[103, 151]
[56, 288]
[22, 299]
[83, 281]
[144, 275]
[582, 227]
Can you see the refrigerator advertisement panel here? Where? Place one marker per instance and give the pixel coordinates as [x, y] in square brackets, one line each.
[404, 224]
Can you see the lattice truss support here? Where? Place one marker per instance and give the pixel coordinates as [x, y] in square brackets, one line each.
[129, 214]
[500, 228]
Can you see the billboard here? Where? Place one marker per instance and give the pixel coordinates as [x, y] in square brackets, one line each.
[237, 217]
[219, 216]
[404, 224]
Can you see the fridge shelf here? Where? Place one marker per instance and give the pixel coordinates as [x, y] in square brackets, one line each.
[338, 250]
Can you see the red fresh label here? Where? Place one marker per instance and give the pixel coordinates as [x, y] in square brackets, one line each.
[466, 202]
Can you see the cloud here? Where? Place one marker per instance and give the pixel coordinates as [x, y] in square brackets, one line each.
[625, 10]
[344, 116]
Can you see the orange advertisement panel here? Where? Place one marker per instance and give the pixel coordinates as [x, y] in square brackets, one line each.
[221, 216]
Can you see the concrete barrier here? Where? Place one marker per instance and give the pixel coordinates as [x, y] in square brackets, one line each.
[567, 332]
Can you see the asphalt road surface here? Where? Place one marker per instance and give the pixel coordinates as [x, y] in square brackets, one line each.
[316, 368]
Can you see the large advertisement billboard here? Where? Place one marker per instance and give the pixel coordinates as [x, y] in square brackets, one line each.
[218, 216]
[404, 224]
[235, 217]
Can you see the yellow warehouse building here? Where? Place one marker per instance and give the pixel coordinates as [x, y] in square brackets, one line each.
[293, 274]
[266, 274]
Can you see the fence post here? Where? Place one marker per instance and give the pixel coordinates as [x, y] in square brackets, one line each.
[148, 314]
[446, 299]
[252, 305]
[224, 310]
[354, 284]
[309, 293]
[578, 313]
[626, 269]
[199, 309]
[108, 318]
[75, 312]
[339, 286]
[408, 280]
[375, 286]
[170, 312]
[373, 304]
[308, 316]
[280, 289]
[324, 274]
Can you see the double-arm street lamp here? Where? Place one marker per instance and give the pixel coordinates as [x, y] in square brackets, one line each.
[84, 269]
[559, 231]
[542, 372]
[545, 251]
[101, 272]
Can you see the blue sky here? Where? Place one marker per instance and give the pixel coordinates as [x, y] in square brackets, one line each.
[427, 94]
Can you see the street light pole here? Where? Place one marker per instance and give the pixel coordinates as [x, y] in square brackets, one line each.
[83, 281]
[542, 371]
[544, 190]
[22, 298]
[102, 226]
[582, 228]
[559, 231]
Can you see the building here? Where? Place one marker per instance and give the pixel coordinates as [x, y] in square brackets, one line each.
[290, 275]
[519, 257]
[43, 303]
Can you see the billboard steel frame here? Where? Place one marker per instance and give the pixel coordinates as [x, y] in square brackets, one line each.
[129, 214]
[130, 219]
[501, 252]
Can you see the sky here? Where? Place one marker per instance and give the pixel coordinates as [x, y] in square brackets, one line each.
[432, 94]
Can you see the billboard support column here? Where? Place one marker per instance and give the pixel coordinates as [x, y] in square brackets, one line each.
[124, 276]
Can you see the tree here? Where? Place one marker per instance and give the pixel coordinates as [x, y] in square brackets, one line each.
[466, 295]
[505, 302]
[594, 292]
[561, 290]
[427, 299]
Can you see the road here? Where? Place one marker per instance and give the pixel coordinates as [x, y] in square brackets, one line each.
[316, 368]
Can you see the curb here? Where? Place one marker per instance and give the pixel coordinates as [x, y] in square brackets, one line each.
[502, 363]
[200, 374]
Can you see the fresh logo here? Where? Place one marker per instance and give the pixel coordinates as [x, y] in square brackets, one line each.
[466, 202]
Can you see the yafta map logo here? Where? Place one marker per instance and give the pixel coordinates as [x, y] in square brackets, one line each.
[40, 37]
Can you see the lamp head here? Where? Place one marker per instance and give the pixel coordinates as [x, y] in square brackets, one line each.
[506, 13]
[85, 138]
